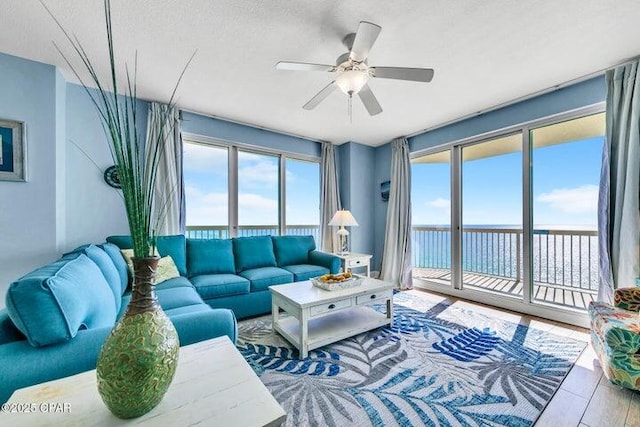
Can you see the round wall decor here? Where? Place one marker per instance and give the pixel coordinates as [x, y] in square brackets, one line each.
[111, 177]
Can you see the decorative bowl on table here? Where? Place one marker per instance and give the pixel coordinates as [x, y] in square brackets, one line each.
[332, 282]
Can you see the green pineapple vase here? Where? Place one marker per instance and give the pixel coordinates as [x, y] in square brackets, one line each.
[139, 358]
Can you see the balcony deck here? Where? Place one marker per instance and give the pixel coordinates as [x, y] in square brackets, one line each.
[562, 295]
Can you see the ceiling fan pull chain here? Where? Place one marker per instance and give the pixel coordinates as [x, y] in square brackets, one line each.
[351, 108]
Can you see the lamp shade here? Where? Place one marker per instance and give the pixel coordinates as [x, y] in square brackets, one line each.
[343, 218]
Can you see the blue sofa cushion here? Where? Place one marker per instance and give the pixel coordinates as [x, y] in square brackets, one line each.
[176, 282]
[118, 261]
[291, 250]
[173, 246]
[220, 285]
[305, 271]
[178, 297]
[262, 278]
[50, 304]
[210, 256]
[109, 270]
[253, 252]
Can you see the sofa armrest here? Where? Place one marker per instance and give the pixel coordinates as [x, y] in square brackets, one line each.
[8, 331]
[326, 260]
[23, 365]
[627, 298]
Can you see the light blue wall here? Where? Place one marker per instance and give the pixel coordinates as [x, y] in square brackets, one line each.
[582, 94]
[234, 132]
[569, 98]
[356, 163]
[28, 215]
[94, 209]
[382, 173]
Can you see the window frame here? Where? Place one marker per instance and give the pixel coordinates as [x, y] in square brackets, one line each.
[233, 147]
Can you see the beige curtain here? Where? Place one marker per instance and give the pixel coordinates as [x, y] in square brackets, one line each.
[396, 257]
[165, 140]
[330, 197]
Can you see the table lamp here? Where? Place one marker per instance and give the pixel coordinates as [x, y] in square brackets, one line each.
[343, 218]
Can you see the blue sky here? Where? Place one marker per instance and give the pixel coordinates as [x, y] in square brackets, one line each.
[206, 183]
[565, 188]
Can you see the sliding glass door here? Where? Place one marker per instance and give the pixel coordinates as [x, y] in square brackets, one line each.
[566, 159]
[431, 217]
[492, 215]
[510, 218]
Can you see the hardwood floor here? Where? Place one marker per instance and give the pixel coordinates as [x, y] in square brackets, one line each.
[585, 397]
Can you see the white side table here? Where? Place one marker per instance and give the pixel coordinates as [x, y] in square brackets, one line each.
[353, 260]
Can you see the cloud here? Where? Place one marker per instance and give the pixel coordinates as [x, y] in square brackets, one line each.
[260, 174]
[202, 158]
[211, 208]
[439, 203]
[578, 200]
[206, 208]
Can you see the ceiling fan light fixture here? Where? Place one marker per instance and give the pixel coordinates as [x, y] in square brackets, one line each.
[351, 81]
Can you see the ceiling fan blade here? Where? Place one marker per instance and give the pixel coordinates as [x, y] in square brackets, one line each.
[320, 96]
[303, 66]
[369, 100]
[402, 73]
[365, 37]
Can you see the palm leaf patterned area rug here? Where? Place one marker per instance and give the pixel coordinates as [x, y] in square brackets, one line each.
[441, 364]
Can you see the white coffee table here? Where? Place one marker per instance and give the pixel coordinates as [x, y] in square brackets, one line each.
[213, 386]
[320, 317]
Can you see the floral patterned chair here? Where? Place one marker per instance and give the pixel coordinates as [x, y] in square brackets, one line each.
[615, 335]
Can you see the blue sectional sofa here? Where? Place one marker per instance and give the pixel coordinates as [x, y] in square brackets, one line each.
[58, 316]
[236, 273]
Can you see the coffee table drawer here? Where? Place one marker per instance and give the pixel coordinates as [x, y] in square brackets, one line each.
[357, 262]
[373, 296]
[327, 308]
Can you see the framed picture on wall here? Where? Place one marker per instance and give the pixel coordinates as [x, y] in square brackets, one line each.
[12, 151]
[384, 190]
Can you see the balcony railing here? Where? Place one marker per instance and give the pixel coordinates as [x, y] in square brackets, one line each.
[222, 231]
[562, 258]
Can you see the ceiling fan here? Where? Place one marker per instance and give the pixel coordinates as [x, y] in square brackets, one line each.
[353, 71]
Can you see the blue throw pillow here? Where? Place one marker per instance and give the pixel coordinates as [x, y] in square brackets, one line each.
[109, 270]
[253, 252]
[210, 256]
[173, 246]
[118, 261]
[293, 250]
[50, 304]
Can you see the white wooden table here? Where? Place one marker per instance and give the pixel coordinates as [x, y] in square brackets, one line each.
[320, 317]
[213, 386]
[354, 260]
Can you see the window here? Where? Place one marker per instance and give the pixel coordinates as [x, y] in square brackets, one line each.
[258, 194]
[233, 191]
[303, 201]
[206, 182]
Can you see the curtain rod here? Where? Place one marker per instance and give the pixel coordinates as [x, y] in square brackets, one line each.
[524, 98]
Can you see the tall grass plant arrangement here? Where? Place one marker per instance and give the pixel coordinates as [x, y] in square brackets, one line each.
[138, 360]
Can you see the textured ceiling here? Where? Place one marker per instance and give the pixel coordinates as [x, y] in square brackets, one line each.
[484, 52]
